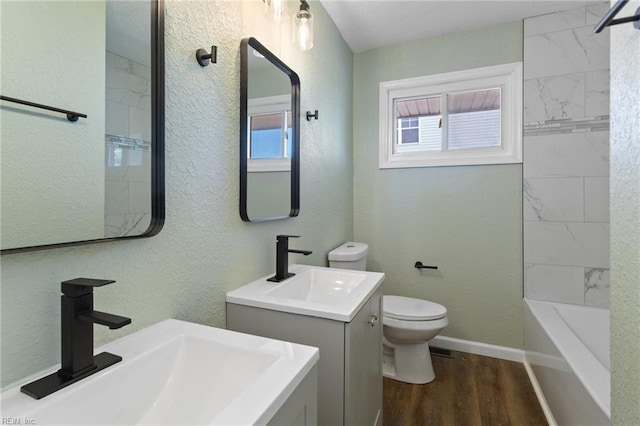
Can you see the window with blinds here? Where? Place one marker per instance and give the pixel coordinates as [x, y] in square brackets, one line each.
[464, 117]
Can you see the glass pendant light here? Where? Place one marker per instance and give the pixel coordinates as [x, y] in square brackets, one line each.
[303, 27]
[274, 10]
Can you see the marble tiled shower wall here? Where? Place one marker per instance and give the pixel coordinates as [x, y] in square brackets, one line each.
[566, 158]
[128, 124]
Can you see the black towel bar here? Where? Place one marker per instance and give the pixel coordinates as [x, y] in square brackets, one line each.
[71, 115]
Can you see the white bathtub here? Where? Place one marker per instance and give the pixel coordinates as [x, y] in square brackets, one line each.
[567, 349]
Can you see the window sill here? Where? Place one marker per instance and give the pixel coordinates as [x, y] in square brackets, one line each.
[414, 159]
[269, 165]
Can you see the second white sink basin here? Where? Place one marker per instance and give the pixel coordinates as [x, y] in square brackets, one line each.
[319, 285]
[176, 373]
[316, 291]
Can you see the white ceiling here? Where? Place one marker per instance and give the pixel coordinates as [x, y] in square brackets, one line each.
[368, 24]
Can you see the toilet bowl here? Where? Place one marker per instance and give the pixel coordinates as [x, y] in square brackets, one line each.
[408, 325]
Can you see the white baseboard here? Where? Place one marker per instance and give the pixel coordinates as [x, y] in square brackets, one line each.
[478, 348]
[541, 399]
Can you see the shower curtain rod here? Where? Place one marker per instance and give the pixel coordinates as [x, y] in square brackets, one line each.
[608, 20]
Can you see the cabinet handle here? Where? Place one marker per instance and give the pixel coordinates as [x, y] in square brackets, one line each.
[372, 321]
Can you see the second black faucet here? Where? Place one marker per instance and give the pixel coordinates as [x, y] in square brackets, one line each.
[282, 257]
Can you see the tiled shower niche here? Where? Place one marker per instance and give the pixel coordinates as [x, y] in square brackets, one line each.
[566, 158]
[127, 147]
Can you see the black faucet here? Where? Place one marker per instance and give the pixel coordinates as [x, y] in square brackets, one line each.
[282, 258]
[78, 317]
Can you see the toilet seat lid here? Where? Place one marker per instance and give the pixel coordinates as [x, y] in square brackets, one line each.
[411, 309]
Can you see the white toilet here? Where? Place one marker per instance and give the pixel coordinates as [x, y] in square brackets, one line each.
[408, 323]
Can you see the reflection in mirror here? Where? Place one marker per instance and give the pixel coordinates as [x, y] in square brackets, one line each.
[269, 135]
[100, 177]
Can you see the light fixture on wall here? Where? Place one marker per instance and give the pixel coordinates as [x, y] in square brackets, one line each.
[303, 27]
[274, 10]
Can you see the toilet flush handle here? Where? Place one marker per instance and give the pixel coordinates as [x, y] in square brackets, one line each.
[372, 320]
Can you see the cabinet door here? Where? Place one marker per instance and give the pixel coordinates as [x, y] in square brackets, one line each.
[357, 370]
[363, 359]
[374, 343]
[327, 335]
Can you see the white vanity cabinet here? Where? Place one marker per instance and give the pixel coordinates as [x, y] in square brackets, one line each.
[301, 408]
[363, 361]
[350, 365]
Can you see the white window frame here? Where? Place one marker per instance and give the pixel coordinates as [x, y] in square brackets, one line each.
[263, 106]
[507, 77]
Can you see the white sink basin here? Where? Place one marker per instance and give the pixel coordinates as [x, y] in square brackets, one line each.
[319, 285]
[176, 372]
[322, 292]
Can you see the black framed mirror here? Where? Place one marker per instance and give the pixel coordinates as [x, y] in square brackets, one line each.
[269, 135]
[99, 177]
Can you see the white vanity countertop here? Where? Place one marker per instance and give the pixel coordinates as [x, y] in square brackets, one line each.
[331, 293]
[176, 372]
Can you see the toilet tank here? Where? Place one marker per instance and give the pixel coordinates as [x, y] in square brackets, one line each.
[350, 255]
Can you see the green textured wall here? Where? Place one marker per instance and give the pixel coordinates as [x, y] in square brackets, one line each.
[625, 223]
[466, 220]
[204, 249]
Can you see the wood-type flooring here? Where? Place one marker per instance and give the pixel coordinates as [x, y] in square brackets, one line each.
[468, 390]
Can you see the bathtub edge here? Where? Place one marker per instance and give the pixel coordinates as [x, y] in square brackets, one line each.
[540, 395]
